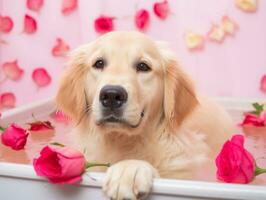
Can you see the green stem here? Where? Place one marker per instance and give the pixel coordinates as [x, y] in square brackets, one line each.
[57, 144]
[2, 129]
[259, 171]
[88, 165]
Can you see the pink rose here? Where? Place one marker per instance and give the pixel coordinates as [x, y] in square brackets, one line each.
[104, 24]
[61, 165]
[142, 19]
[234, 163]
[14, 137]
[251, 119]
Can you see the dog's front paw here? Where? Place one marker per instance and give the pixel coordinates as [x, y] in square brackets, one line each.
[129, 180]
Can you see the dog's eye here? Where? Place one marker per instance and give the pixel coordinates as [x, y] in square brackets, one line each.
[99, 64]
[142, 67]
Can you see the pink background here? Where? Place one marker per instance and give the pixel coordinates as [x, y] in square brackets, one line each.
[233, 68]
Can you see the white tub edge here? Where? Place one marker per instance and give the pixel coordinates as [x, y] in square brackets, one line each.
[160, 186]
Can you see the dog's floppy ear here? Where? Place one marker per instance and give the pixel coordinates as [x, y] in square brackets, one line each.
[71, 95]
[179, 94]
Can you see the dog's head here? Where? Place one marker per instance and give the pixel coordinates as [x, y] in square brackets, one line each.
[124, 82]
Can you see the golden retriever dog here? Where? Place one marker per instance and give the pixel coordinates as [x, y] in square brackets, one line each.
[134, 107]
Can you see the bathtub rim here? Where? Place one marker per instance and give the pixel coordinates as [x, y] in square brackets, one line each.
[172, 187]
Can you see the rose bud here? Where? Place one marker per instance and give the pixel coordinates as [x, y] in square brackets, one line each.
[61, 165]
[14, 137]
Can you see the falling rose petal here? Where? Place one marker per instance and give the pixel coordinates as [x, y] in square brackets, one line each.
[103, 24]
[61, 117]
[246, 5]
[34, 5]
[142, 19]
[30, 24]
[68, 6]
[161, 9]
[61, 48]
[6, 24]
[40, 126]
[7, 100]
[41, 77]
[3, 42]
[228, 25]
[12, 70]
[216, 34]
[194, 41]
[263, 83]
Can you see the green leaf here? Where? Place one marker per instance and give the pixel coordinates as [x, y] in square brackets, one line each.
[258, 108]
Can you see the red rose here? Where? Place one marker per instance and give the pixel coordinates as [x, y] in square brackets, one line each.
[142, 19]
[251, 119]
[60, 164]
[104, 24]
[234, 163]
[14, 137]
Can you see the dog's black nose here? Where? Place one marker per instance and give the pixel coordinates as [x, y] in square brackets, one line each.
[113, 96]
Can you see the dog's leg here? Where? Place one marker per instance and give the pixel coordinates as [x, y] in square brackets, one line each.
[129, 180]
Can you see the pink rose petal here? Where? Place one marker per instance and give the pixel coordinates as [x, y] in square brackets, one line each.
[263, 116]
[216, 33]
[12, 70]
[61, 117]
[41, 77]
[68, 6]
[35, 5]
[61, 48]
[40, 126]
[161, 9]
[228, 25]
[263, 83]
[3, 42]
[246, 5]
[30, 24]
[6, 24]
[194, 41]
[104, 24]
[142, 19]
[7, 100]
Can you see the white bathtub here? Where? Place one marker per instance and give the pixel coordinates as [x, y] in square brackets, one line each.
[18, 181]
